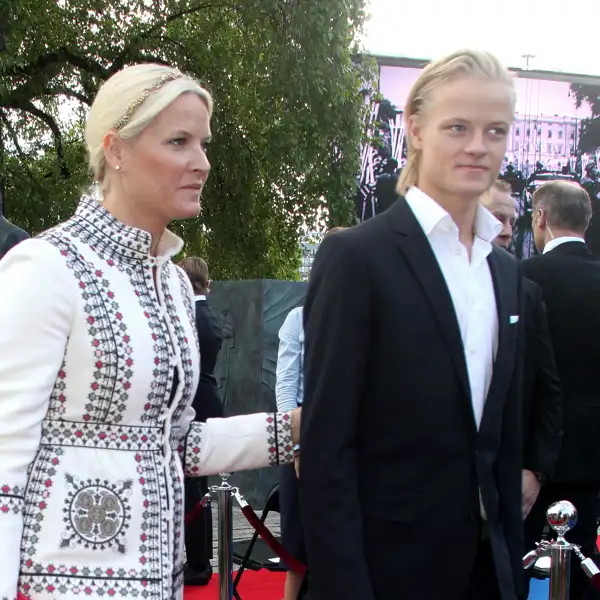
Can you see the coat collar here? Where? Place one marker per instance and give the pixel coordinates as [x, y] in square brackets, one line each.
[106, 234]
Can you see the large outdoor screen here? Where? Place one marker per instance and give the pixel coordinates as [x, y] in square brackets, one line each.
[555, 135]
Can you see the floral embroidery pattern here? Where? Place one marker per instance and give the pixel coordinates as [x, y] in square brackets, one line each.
[11, 499]
[97, 513]
[193, 449]
[279, 428]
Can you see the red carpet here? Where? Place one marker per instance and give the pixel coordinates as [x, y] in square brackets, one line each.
[254, 585]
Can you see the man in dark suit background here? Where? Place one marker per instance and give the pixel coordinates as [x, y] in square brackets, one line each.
[207, 404]
[569, 277]
[542, 399]
[410, 465]
[10, 235]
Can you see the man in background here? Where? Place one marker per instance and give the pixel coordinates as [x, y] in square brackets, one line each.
[10, 235]
[569, 277]
[542, 399]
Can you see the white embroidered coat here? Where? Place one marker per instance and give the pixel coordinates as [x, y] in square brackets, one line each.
[98, 366]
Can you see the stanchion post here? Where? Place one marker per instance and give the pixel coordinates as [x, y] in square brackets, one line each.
[224, 493]
[562, 517]
[560, 571]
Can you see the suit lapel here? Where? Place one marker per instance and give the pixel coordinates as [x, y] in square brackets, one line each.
[505, 290]
[414, 245]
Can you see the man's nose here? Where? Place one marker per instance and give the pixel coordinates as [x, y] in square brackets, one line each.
[476, 143]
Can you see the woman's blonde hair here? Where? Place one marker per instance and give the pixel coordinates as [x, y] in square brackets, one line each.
[465, 63]
[129, 100]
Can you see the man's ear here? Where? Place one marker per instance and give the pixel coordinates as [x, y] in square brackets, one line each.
[541, 220]
[414, 131]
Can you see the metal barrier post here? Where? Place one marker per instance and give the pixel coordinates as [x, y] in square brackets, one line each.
[224, 493]
[562, 517]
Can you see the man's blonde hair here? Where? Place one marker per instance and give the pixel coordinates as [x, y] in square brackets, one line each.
[465, 63]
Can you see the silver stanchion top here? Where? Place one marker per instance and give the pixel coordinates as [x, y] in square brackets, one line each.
[562, 517]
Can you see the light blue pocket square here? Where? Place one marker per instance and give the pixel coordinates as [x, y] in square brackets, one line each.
[514, 319]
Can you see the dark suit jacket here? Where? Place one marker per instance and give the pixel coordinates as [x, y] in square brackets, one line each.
[10, 235]
[391, 458]
[207, 402]
[542, 398]
[569, 277]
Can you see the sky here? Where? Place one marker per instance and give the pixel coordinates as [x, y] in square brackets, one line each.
[553, 31]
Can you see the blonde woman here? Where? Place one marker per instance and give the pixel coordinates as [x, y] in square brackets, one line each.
[411, 343]
[97, 374]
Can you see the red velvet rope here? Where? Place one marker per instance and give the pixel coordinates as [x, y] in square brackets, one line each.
[252, 518]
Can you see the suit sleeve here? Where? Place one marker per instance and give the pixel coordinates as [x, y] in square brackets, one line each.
[545, 425]
[38, 302]
[337, 338]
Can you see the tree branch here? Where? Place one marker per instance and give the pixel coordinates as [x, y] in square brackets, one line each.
[15, 141]
[29, 107]
[67, 92]
[121, 59]
[64, 55]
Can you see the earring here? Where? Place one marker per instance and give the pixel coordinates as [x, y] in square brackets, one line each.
[118, 167]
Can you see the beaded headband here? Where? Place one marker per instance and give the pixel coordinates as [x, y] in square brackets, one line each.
[137, 103]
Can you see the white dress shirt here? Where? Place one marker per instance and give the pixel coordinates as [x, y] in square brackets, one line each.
[470, 285]
[561, 240]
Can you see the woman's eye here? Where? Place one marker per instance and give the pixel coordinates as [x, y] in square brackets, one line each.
[178, 141]
[457, 128]
[498, 131]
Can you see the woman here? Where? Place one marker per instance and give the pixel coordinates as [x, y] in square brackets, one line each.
[207, 405]
[97, 374]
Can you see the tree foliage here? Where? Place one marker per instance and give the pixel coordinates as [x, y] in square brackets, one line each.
[287, 123]
[590, 128]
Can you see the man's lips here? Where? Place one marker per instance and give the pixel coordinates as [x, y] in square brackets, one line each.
[193, 186]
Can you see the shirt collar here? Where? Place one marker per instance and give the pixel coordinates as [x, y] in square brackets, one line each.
[430, 215]
[113, 238]
[561, 240]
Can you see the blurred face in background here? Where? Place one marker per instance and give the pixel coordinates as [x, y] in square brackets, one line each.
[501, 204]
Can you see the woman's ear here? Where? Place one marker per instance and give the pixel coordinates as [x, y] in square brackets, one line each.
[113, 146]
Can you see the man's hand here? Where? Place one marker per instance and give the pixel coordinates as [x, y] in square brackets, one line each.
[531, 489]
[296, 414]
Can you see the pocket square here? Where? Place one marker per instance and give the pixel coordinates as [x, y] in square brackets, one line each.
[514, 319]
